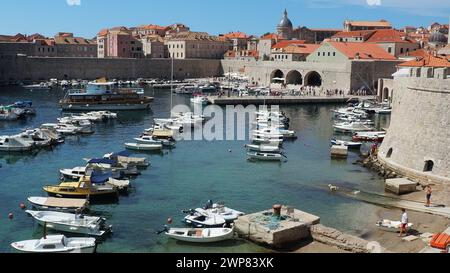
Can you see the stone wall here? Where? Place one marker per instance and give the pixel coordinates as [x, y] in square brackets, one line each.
[419, 129]
[17, 68]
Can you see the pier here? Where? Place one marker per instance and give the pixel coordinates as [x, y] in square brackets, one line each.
[280, 100]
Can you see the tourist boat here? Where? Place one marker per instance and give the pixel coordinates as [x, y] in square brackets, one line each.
[72, 223]
[349, 144]
[199, 100]
[265, 156]
[14, 144]
[369, 136]
[59, 204]
[82, 189]
[143, 147]
[202, 218]
[263, 148]
[391, 226]
[56, 244]
[230, 215]
[40, 86]
[346, 127]
[105, 96]
[201, 235]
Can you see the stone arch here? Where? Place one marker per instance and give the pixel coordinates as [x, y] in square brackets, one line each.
[429, 164]
[313, 78]
[294, 77]
[276, 75]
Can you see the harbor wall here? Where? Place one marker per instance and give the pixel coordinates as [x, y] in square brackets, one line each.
[417, 144]
[22, 68]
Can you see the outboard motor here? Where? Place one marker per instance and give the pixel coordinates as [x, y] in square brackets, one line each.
[209, 204]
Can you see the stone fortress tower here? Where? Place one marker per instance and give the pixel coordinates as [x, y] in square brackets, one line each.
[417, 144]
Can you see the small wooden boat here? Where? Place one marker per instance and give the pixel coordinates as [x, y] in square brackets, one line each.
[263, 148]
[72, 223]
[349, 144]
[59, 204]
[391, 226]
[56, 244]
[200, 235]
[265, 156]
[143, 147]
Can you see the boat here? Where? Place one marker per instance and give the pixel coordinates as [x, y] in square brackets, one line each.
[146, 139]
[105, 96]
[200, 235]
[26, 106]
[369, 136]
[35, 137]
[56, 244]
[112, 165]
[383, 110]
[143, 147]
[82, 189]
[40, 86]
[59, 204]
[202, 218]
[186, 89]
[70, 222]
[124, 158]
[263, 139]
[263, 148]
[351, 127]
[349, 144]
[199, 100]
[230, 215]
[14, 144]
[61, 128]
[392, 226]
[8, 113]
[265, 156]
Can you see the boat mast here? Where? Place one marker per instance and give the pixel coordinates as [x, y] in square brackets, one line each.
[171, 88]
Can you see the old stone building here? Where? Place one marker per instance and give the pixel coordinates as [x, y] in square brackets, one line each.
[69, 46]
[196, 45]
[119, 42]
[153, 46]
[350, 25]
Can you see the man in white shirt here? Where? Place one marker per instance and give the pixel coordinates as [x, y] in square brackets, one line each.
[404, 223]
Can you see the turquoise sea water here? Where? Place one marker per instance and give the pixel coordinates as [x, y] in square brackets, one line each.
[185, 177]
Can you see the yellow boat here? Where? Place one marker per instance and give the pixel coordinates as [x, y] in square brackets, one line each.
[82, 189]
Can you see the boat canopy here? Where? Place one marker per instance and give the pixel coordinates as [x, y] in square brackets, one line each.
[102, 161]
[100, 177]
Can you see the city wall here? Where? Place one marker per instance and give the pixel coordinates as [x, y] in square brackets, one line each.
[21, 68]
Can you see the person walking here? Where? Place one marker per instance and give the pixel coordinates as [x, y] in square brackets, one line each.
[428, 191]
[403, 223]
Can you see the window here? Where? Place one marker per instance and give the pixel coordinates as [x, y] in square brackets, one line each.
[389, 50]
[329, 54]
[389, 153]
[334, 54]
[401, 50]
[429, 164]
[323, 53]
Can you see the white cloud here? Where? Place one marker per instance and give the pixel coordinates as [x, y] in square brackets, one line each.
[73, 2]
[373, 2]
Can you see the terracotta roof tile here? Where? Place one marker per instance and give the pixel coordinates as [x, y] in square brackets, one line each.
[388, 36]
[366, 51]
[301, 49]
[370, 23]
[272, 36]
[285, 43]
[427, 61]
[234, 35]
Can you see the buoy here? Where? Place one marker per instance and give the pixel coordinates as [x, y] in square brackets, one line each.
[10, 216]
[169, 220]
[23, 206]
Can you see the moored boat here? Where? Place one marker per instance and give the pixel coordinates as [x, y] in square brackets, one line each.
[349, 144]
[143, 147]
[200, 235]
[56, 244]
[265, 156]
[263, 148]
[59, 204]
[202, 218]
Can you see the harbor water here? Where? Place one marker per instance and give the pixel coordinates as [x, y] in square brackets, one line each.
[185, 177]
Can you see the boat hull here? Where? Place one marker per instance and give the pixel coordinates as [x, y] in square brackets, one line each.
[87, 249]
[104, 107]
[198, 239]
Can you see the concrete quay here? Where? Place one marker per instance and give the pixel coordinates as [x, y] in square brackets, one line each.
[278, 100]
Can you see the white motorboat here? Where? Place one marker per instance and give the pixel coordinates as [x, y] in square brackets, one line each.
[40, 86]
[35, 137]
[383, 110]
[369, 136]
[124, 158]
[219, 208]
[57, 244]
[391, 226]
[72, 223]
[143, 147]
[61, 128]
[59, 204]
[350, 144]
[14, 144]
[8, 114]
[201, 235]
[265, 156]
[202, 218]
[263, 148]
[262, 139]
[275, 132]
[352, 127]
[199, 100]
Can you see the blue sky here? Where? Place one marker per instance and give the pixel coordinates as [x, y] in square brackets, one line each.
[87, 17]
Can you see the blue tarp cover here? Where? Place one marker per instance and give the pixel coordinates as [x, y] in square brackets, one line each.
[102, 161]
[122, 153]
[100, 177]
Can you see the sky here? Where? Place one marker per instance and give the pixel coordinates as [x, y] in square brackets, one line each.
[87, 17]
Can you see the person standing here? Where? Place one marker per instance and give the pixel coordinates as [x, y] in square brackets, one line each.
[428, 191]
[403, 223]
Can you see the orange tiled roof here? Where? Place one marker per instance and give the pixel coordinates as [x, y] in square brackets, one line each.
[236, 35]
[388, 36]
[153, 27]
[366, 51]
[301, 48]
[272, 36]
[354, 33]
[326, 29]
[285, 43]
[427, 61]
[73, 40]
[103, 32]
[417, 53]
[370, 23]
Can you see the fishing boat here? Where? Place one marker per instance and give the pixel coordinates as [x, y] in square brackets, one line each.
[59, 204]
[391, 226]
[56, 244]
[105, 96]
[230, 215]
[202, 218]
[112, 165]
[145, 139]
[369, 136]
[264, 156]
[350, 144]
[200, 235]
[82, 189]
[14, 144]
[263, 148]
[72, 223]
[143, 147]
[35, 137]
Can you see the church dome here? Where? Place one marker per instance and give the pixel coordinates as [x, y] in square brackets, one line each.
[285, 22]
[437, 37]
